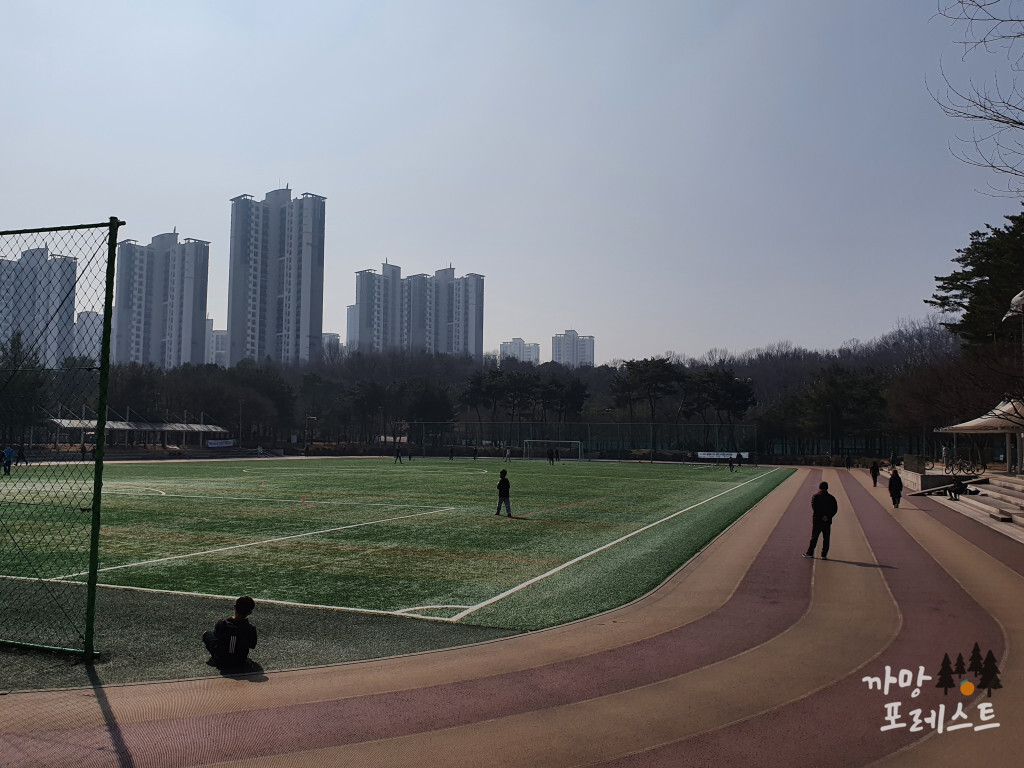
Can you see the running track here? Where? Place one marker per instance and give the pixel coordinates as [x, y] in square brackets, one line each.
[750, 655]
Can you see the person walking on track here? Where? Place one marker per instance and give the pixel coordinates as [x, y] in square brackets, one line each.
[823, 508]
[895, 488]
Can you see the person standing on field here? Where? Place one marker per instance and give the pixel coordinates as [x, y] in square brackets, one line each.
[875, 471]
[823, 508]
[503, 487]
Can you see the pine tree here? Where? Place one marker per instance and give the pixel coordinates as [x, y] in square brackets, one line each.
[990, 674]
[959, 670]
[945, 676]
[975, 664]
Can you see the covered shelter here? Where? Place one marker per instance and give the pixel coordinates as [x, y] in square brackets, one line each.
[126, 432]
[1006, 419]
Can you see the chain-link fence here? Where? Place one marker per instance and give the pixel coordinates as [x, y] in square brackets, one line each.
[55, 305]
[670, 442]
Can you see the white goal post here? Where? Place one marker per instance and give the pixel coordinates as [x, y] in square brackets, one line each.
[570, 450]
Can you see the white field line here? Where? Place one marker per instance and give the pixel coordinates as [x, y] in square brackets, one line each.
[303, 500]
[253, 543]
[262, 600]
[610, 544]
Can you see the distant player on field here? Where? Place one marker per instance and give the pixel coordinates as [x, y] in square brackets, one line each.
[503, 486]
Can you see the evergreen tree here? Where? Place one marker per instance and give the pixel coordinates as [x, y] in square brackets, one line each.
[978, 294]
[989, 674]
[945, 676]
[975, 663]
[959, 669]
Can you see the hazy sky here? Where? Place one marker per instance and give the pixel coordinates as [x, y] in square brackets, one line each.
[660, 175]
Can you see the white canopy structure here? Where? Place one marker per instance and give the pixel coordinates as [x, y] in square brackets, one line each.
[1007, 419]
[1008, 416]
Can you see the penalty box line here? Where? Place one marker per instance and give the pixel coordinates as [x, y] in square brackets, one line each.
[563, 566]
[254, 543]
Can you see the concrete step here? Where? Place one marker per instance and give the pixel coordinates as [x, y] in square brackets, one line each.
[993, 510]
[1008, 481]
[1004, 496]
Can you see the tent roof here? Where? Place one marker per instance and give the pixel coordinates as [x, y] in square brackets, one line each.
[140, 426]
[1008, 416]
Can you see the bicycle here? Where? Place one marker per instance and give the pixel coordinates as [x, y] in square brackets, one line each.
[960, 465]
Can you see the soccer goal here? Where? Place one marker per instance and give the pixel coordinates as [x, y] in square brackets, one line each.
[570, 450]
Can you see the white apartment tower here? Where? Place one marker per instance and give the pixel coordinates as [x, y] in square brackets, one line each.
[37, 300]
[276, 277]
[437, 314]
[518, 349]
[160, 302]
[216, 346]
[572, 350]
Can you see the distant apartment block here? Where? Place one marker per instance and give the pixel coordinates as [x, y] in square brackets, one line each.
[572, 350]
[436, 314]
[37, 300]
[216, 346]
[331, 342]
[519, 350]
[160, 302]
[276, 277]
[89, 335]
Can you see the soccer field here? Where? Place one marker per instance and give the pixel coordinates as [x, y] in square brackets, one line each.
[419, 539]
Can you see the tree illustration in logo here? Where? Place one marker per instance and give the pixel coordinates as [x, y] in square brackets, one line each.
[945, 676]
[975, 663]
[989, 674]
[959, 669]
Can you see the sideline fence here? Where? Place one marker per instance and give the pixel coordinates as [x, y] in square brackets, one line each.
[56, 297]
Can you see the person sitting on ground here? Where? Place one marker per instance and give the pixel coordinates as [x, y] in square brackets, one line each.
[231, 639]
[957, 489]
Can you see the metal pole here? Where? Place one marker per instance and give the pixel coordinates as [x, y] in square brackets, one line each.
[101, 441]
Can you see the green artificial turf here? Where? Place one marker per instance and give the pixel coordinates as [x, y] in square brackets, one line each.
[420, 537]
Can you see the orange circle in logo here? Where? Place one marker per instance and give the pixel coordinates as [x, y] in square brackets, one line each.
[966, 687]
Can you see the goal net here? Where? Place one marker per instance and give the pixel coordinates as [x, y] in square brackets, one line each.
[568, 450]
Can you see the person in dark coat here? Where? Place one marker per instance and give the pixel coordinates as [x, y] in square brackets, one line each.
[231, 639]
[895, 488]
[823, 509]
[503, 493]
[875, 471]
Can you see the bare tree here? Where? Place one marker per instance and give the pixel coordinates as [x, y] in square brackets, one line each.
[995, 108]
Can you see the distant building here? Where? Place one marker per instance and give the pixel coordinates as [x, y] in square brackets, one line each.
[37, 300]
[519, 350]
[160, 302]
[438, 314]
[276, 277]
[331, 341]
[89, 335]
[216, 346]
[572, 350]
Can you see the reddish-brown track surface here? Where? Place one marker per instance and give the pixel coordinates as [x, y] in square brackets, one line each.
[750, 655]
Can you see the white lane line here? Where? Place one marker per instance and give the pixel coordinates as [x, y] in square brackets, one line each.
[575, 560]
[254, 543]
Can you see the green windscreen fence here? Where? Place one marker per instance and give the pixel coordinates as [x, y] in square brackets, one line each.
[55, 308]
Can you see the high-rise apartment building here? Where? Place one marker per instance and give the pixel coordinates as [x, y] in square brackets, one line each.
[572, 350]
[160, 302]
[438, 314]
[517, 349]
[216, 345]
[37, 300]
[89, 335]
[276, 277]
